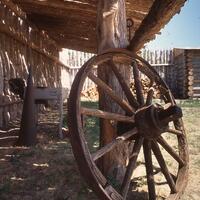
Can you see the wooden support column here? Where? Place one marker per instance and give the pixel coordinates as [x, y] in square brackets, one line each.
[111, 33]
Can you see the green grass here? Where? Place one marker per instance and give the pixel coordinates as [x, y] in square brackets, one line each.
[90, 104]
[91, 126]
[188, 103]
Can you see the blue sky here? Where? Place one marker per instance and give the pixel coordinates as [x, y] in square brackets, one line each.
[182, 31]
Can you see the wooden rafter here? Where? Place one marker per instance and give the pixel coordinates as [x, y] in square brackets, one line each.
[159, 15]
[73, 22]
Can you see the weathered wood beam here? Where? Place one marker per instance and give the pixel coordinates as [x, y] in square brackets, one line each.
[70, 37]
[108, 147]
[76, 44]
[137, 16]
[70, 34]
[59, 6]
[112, 33]
[63, 13]
[80, 15]
[133, 9]
[106, 115]
[142, 5]
[57, 24]
[160, 13]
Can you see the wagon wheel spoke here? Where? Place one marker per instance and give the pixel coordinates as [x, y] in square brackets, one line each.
[170, 150]
[135, 105]
[164, 169]
[111, 93]
[173, 131]
[149, 169]
[131, 166]
[149, 96]
[106, 115]
[108, 147]
[138, 84]
[125, 87]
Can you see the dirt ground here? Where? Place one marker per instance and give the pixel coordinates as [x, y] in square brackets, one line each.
[48, 171]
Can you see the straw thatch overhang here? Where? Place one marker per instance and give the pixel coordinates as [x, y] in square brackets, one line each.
[72, 23]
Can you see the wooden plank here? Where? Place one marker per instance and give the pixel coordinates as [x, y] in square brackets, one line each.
[112, 94]
[196, 88]
[108, 147]
[196, 95]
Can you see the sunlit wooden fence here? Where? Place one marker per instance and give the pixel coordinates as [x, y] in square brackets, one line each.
[22, 45]
[158, 57]
[161, 60]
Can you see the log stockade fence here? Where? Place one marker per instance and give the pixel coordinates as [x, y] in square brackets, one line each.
[161, 60]
[180, 68]
[22, 45]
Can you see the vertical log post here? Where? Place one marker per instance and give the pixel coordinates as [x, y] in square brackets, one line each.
[111, 33]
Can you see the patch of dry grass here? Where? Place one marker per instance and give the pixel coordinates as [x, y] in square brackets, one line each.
[48, 171]
[192, 125]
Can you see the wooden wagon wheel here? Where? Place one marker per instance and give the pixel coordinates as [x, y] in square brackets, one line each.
[154, 118]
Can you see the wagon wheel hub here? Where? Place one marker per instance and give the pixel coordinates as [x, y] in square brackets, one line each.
[153, 120]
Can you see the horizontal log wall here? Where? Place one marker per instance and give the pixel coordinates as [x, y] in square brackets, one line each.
[187, 63]
[22, 45]
[193, 70]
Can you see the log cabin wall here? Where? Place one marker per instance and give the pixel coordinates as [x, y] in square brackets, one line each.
[187, 63]
[23, 45]
[181, 73]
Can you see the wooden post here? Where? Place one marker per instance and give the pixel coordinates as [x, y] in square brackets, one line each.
[111, 33]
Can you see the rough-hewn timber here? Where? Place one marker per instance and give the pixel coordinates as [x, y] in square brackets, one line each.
[111, 33]
[159, 15]
[66, 19]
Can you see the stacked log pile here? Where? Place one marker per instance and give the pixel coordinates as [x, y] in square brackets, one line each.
[187, 62]
[90, 91]
[90, 94]
[145, 85]
[22, 45]
[193, 66]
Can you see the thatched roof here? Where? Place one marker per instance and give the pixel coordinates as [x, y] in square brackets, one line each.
[72, 23]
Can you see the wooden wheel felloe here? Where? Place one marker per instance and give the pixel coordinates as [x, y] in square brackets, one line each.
[158, 160]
